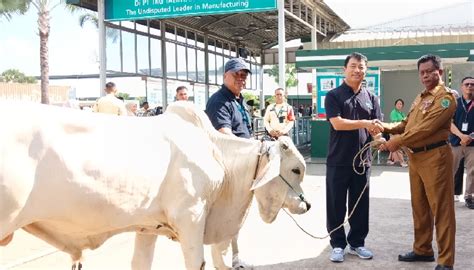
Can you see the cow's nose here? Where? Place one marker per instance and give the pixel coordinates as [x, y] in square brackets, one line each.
[308, 205]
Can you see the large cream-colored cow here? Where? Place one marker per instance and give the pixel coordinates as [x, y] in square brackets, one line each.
[76, 179]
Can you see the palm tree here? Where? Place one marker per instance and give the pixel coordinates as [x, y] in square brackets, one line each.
[111, 33]
[44, 7]
[8, 8]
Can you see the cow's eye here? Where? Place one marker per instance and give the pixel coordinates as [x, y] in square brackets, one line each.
[296, 171]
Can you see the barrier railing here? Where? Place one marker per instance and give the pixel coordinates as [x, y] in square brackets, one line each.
[300, 133]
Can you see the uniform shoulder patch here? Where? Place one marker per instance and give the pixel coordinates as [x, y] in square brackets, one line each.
[445, 103]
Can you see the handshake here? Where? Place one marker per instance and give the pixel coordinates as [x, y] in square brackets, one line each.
[375, 129]
[374, 126]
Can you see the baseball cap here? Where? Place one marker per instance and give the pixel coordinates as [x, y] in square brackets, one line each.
[235, 65]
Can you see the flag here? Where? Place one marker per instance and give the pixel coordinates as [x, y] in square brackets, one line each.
[290, 116]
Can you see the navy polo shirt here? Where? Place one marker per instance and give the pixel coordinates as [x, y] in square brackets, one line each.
[226, 111]
[463, 115]
[344, 144]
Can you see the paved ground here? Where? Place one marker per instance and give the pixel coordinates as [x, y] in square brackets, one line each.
[280, 245]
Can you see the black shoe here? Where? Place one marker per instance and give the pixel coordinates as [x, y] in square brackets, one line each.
[469, 204]
[413, 257]
[443, 267]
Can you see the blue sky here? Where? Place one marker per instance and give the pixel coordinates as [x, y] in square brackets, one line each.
[74, 50]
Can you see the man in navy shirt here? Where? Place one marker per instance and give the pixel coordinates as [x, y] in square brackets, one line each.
[228, 115]
[351, 110]
[462, 144]
[226, 107]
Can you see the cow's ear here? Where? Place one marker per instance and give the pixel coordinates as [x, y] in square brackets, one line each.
[268, 168]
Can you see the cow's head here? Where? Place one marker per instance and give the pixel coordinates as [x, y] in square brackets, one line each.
[279, 174]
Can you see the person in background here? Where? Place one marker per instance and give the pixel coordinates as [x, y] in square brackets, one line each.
[181, 93]
[301, 110]
[460, 139]
[397, 115]
[145, 110]
[279, 117]
[425, 132]
[109, 103]
[458, 181]
[131, 108]
[227, 112]
[351, 110]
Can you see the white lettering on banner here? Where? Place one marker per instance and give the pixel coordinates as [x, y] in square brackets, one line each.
[144, 7]
[182, 8]
[177, 1]
[227, 4]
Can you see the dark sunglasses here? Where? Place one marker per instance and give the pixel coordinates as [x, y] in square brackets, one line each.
[468, 84]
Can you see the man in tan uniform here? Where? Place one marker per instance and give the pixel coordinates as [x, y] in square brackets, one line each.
[425, 133]
[279, 116]
[110, 104]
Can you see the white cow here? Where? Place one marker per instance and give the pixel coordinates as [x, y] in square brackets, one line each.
[75, 179]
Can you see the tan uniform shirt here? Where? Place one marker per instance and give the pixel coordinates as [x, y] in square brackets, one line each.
[111, 105]
[428, 121]
[279, 117]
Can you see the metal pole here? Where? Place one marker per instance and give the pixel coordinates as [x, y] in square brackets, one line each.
[164, 68]
[206, 69]
[262, 95]
[281, 44]
[102, 53]
[314, 46]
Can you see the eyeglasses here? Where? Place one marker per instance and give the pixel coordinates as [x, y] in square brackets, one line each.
[468, 84]
[240, 75]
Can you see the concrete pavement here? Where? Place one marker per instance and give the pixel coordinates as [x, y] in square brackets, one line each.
[280, 245]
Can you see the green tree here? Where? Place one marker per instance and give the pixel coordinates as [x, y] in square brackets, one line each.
[9, 8]
[14, 75]
[251, 98]
[125, 96]
[290, 70]
[44, 8]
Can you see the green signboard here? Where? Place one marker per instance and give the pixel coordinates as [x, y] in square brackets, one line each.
[116, 10]
[330, 78]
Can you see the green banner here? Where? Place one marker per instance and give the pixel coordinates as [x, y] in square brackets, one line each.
[116, 10]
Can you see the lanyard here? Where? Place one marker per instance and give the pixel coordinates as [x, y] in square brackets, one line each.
[244, 115]
[280, 112]
[468, 109]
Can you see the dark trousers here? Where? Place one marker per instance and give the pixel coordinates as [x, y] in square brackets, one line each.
[458, 178]
[343, 184]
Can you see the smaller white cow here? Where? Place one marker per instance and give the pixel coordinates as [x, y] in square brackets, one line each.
[75, 179]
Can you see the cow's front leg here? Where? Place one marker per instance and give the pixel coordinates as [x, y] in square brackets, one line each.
[218, 252]
[191, 241]
[191, 237]
[144, 251]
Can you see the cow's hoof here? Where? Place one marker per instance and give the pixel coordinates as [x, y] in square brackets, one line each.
[77, 266]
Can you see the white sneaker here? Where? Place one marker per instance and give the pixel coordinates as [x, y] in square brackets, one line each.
[456, 198]
[239, 264]
[337, 255]
[362, 252]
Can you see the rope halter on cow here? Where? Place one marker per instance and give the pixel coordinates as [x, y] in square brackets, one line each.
[265, 150]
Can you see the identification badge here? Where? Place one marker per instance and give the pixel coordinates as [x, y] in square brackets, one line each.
[464, 127]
